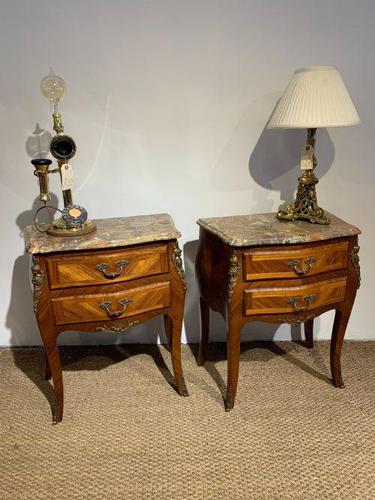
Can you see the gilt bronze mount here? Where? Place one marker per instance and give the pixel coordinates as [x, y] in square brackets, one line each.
[305, 206]
[177, 261]
[234, 271]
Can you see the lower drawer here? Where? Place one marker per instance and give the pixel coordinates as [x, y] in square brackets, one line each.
[99, 307]
[288, 299]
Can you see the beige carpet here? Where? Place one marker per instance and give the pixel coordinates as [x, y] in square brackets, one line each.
[126, 433]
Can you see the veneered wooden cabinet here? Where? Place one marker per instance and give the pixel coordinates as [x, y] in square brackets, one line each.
[258, 268]
[126, 272]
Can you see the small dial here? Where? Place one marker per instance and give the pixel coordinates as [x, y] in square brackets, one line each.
[74, 215]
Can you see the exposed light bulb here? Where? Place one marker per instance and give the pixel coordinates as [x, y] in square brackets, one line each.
[53, 88]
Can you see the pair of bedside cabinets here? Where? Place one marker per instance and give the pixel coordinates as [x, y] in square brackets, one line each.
[251, 267]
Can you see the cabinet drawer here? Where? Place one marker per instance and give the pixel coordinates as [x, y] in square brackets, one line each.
[294, 261]
[289, 299]
[107, 267]
[99, 307]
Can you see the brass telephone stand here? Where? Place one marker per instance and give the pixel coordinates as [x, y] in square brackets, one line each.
[73, 220]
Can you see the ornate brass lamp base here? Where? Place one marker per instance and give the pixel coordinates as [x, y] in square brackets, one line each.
[60, 228]
[306, 205]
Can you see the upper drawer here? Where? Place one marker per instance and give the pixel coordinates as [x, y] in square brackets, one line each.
[106, 306]
[107, 267]
[293, 261]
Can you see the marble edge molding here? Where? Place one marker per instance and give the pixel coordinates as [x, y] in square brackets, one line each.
[218, 233]
[39, 243]
[274, 240]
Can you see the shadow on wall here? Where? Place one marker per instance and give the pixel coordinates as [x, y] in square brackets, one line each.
[274, 164]
[38, 143]
[274, 156]
[20, 318]
[192, 313]
[230, 173]
[275, 161]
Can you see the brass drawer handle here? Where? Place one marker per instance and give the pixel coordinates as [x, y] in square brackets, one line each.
[304, 270]
[121, 264]
[309, 299]
[106, 306]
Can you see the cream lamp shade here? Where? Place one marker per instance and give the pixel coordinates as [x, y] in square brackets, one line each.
[315, 97]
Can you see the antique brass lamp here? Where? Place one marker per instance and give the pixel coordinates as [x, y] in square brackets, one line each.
[315, 97]
[73, 220]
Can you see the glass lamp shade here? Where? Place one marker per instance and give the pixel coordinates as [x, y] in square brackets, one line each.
[315, 97]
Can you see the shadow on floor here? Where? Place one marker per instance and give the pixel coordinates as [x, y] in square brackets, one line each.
[85, 358]
[100, 357]
[217, 352]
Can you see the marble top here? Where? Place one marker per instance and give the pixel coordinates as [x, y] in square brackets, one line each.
[266, 229]
[116, 232]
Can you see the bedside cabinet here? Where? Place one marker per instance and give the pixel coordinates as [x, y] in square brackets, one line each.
[258, 268]
[126, 272]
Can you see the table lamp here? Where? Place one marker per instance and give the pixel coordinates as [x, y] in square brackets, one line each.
[315, 97]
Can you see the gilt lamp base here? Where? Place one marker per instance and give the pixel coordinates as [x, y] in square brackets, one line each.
[306, 205]
[60, 228]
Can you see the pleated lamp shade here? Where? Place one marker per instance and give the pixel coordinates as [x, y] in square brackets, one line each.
[315, 97]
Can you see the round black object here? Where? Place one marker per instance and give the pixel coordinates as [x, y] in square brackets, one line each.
[41, 161]
[63, 147]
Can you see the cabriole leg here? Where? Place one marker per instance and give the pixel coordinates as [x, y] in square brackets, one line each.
[233, 350]
[176, 326]
[309, 333]
[54, 363]
[205, 325]
[338, 333]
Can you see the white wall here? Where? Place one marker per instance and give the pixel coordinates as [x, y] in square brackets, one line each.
[167, 101]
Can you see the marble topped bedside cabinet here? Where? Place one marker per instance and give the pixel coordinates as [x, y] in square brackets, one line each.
[256, 267]
[126, 272]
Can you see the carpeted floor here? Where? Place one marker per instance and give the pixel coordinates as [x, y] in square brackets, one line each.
[126, 433]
